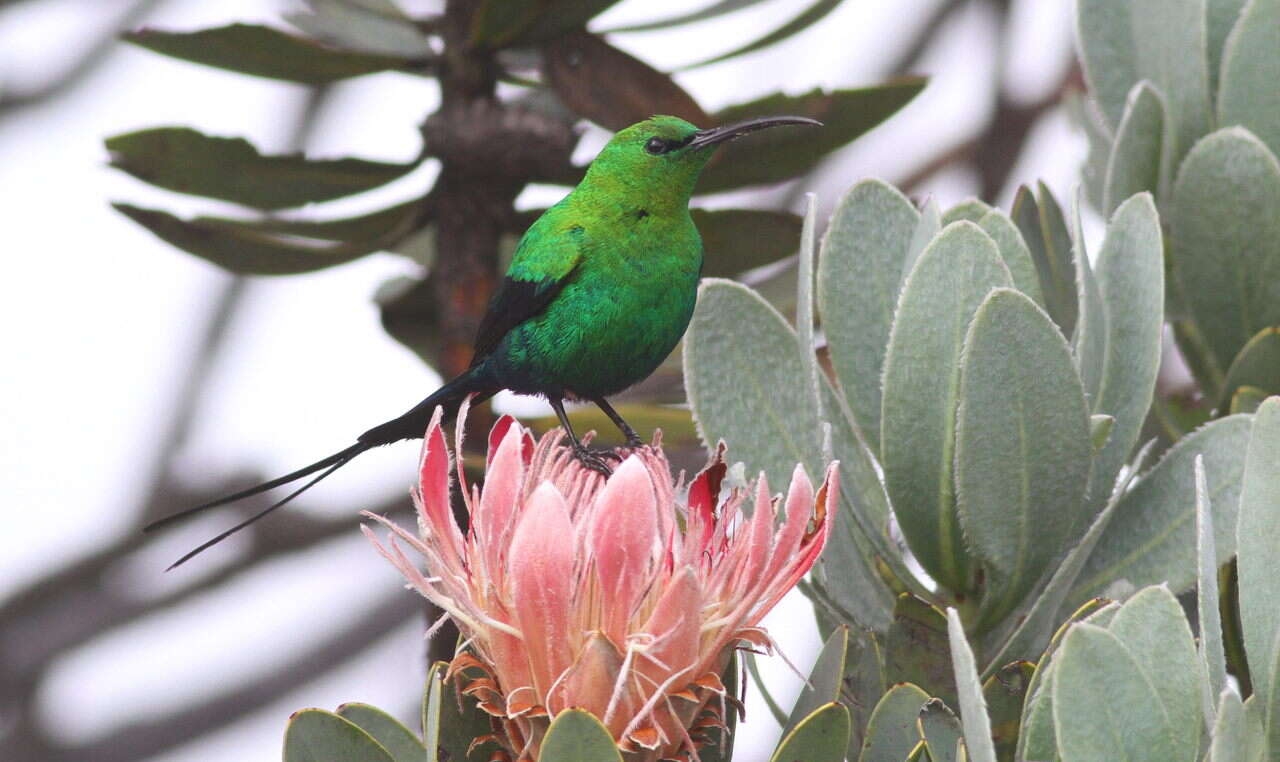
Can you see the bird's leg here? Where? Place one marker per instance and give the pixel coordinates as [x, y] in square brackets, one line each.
[633, 439]
[585, 456]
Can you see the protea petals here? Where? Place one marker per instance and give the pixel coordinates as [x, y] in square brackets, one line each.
[573, 590]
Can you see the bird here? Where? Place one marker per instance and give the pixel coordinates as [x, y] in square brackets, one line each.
[600, 290]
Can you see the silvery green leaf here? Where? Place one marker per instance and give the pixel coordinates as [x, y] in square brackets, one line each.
[1212, 656]
[1107, 53]
[1152, 537]
[1226, 242]
[1130, 275]
[940, 729]
[1222, 17]
[1235, 738]
[969, 210]
[1259, 536]
[399, 741]
[1154, 629]
[1044, 229]
[1022, 448]
[1248, 95]
[823, 736]
[1135, 163]
[1257, 365]
[1084, 113]
[928, 226]
[892, 731]
[1119, 717]
[1091, 335]
[369, 27]
[823, 684]
[314, 735]
[1170, 39]
[921, 388]
[1036, 626]
[1014, 252]
[973, 708]
[860, 273]
[1037, 739]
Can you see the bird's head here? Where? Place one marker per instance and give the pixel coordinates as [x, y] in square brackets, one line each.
[665, 154]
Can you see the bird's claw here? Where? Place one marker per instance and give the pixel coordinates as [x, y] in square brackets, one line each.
[595, 460]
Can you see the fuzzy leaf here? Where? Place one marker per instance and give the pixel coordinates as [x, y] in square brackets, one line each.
[737, 240]
[1235, 737]
[1004, 693]
[315, 735]
[1226, 242]
[892, 731]
[610, 87]
[1152, 537]
[1022, 448]
[1212, 655]
[243, 251]
[231, 169]
[860, 274]
[1170, 48]
[399, 741]
[775, 155]
[973, 708]
[263, 52]
[916, 649]
[1014, 252]
[1044, 230]
[1222, 18]
[576, 735]
[940, 729]
[821, 737]
[1107, 54]
[1135, 164]
[1257, 366]
[921, 391]
[1259, 536]
[969, 210]
[1250, 69]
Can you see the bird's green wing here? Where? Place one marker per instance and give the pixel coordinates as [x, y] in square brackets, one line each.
[541, 267]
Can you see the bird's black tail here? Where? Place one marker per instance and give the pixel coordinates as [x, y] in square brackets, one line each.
[411, 425]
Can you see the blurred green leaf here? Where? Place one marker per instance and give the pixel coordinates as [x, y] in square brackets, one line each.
[1247, 399]
[1180, 414]
[1213, 658]
[1044, 230]
[1222, 16]
[183, 160]
[380, 28]
[383, 224]
[1135, 164]
[969, 210]
[862, 686]
[576, 735]
[1119, 717]
[1022, 450]
[1154, 630]
[921, 391]
[315, 735]
[243, 251]
[399, 741]
[1107, 54]
[916, 649]
[892, 732]
[973, 709]
[507, 23]
[406, 310]
[453, 721]
[1014, 252]
[860, 274]
[1170, 47]
[1100, 431]
[780, 154]
[1130, 276]
[610, 87]
[940, 729]
[1225, 234]
[718, 8]
[1250, 69]
[263, 52]
[823, 684]
[1004, 693]
[1152, 537]
[1259, 536]
[737, 240]
[1257, 366]
[807, 18]
[821, 737]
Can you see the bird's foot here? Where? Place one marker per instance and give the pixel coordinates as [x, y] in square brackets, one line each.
[595, 459]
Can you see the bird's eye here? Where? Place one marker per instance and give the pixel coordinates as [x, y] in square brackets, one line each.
[657, 146]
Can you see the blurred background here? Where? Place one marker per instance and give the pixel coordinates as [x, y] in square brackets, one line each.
[139, 379]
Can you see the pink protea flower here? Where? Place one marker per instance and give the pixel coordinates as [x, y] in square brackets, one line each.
[573, 590]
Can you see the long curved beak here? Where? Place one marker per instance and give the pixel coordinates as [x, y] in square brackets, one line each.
[718, 135]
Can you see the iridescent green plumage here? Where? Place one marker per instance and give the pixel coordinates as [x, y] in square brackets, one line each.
[600, 290]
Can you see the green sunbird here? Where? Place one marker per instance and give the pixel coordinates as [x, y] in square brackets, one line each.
[600, 290]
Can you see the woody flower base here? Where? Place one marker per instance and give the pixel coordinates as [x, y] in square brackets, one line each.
[610, 595]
